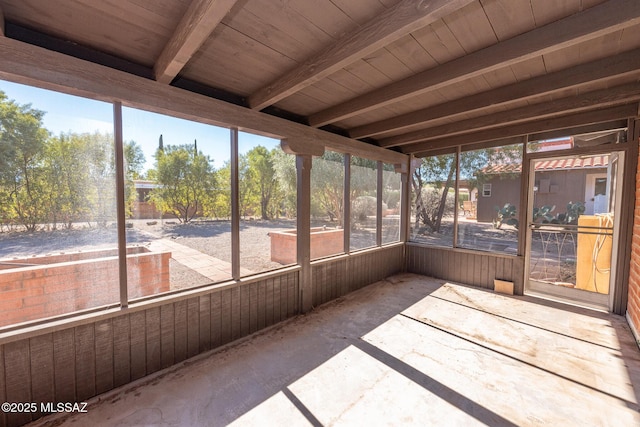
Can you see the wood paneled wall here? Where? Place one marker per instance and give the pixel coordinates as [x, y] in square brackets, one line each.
[339, 276]
[75, 363]
[82, 361]
[471, 268]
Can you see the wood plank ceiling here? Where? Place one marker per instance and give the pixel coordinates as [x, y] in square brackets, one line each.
[408, 75]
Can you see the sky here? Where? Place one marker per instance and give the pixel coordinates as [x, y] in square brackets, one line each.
[67, 113]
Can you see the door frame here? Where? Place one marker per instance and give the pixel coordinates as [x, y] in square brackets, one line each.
[610, 302]
[590, 187]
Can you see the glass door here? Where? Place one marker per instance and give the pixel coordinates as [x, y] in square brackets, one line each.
[572, 228]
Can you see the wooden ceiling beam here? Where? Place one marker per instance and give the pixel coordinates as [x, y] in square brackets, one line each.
[196, 25]
[596, 21]
[565, 122]
[616, 95]
[396, 22]
[596, 71]
[32, 65]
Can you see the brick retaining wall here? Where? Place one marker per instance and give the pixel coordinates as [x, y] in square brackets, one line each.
[66, 283]
[323, 243]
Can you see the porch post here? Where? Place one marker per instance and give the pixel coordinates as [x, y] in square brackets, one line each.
[120, 204]
[235, 206]
[346, 204]
[303, 155]
[303, 168]
[379, 205]
[404, 169]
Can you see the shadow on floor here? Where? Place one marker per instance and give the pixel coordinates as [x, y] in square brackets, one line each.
[409, 350]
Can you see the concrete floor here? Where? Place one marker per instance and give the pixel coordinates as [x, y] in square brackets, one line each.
[406, 351]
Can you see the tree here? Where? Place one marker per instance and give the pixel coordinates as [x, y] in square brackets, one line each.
[247, 195]
[264, 182]
[286, 174]
[99, 155]
[187, 182]
[134, 160]
[68, 183]
[327, 185]
[22, 141]
[222, 204]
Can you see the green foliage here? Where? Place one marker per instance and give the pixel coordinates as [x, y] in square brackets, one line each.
[327, 186]
[22, 175]
[506, 215]
[364, 179]
[544, 214]
[285, 168]
[56, 180]
[391, 187]
[262, 180]
[134, 160]
[222, 203]
[363, 207]
[187, 182]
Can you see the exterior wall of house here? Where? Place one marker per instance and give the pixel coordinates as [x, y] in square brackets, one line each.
[561, 183]
[503, 190]
[633, 301]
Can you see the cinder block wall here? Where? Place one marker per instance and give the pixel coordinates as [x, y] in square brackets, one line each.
[633, 303]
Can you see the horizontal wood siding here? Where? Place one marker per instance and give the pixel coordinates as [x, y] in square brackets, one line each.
[337, 277]
[79, 362]
[476, 269]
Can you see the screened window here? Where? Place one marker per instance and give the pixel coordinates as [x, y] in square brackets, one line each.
[327, 205]
[267, 196]
[433, 200]
[490, 222]
[178, 203]
[57, 204]
[391, 203]
[364, 173]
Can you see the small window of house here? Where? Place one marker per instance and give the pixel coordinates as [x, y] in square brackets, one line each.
[486, 190]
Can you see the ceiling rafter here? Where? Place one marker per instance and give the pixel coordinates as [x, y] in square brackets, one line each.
[580, 75]
[396, 22]
[596, 21]
[616, 95]
[196, 25]
[554, 123]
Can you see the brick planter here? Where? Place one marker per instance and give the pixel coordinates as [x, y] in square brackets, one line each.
[52, 285]
[324, 242]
